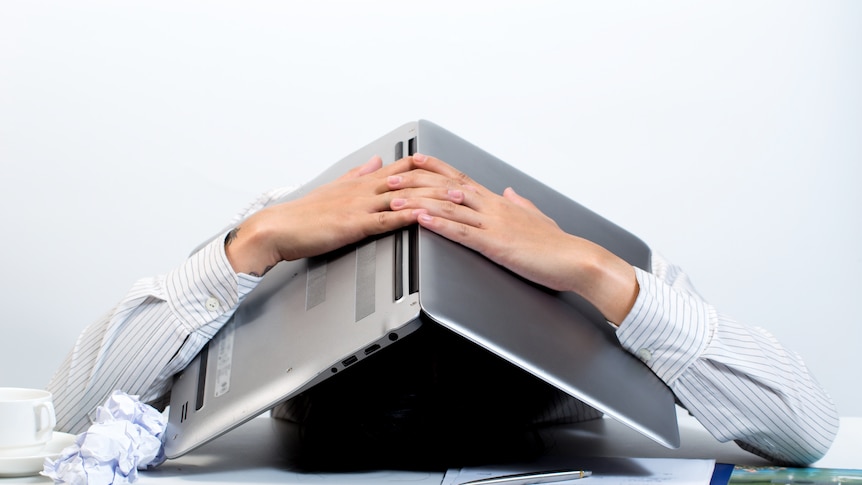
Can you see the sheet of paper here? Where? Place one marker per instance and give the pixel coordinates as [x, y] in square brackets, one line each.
[606, 471]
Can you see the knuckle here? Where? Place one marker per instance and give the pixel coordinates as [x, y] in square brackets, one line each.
[463, 230]
[448, 207]
[382, 219]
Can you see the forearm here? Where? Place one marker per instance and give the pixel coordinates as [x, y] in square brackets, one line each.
[151, 334]
[738, 381]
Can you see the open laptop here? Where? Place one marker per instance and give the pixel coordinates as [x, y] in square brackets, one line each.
[313, 319]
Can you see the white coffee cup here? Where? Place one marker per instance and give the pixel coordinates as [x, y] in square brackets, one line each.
[27, 420]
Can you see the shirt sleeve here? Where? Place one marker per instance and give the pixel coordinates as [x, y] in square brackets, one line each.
[738, 381]
[155, 331]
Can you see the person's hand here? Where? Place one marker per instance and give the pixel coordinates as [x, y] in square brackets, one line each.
[342, 212]
[509, 230]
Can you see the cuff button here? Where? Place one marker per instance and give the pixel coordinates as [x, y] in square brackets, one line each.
[212, 304]
[644, 355]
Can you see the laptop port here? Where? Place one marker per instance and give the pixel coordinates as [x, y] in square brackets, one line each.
[372, 349]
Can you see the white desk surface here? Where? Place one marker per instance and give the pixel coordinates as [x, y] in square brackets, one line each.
[260, 452]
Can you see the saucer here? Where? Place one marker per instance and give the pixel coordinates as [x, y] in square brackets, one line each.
[22, 466]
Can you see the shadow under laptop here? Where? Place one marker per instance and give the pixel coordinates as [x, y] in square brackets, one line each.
[433, 402]
[416, 450]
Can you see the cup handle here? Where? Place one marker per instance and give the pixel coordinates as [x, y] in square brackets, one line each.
[45, 418]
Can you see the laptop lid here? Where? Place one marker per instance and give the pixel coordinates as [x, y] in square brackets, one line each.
[556, 336]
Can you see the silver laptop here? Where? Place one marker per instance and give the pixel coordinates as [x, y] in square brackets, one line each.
[312, 319]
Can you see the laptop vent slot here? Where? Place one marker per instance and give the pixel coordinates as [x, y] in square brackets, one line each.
[399, 266]
[202, 377]
[413, 257]
[315, 287]
[366, 272]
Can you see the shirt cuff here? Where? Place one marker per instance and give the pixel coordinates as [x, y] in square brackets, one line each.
[667, 329]
[205, 288]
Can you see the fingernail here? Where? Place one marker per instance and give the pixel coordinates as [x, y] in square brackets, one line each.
[419, 157]
[397, 203]
[394, 179]
[425, 218]
[455, 194]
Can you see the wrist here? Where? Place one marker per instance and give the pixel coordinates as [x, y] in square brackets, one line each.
[607, 281]
[246, 250]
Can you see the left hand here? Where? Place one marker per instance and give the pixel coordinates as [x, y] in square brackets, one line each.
[511, 231]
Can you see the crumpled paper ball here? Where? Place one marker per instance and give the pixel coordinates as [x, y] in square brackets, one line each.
[127, 435]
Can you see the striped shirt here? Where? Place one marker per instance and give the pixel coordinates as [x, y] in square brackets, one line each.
[737, 380]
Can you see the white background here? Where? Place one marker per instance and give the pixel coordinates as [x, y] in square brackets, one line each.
[728, 135]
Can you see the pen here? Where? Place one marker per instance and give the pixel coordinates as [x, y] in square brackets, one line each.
[532, 478]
